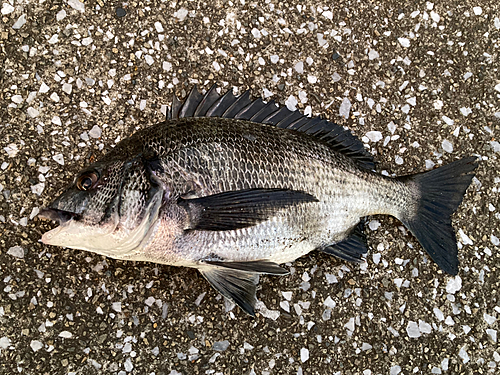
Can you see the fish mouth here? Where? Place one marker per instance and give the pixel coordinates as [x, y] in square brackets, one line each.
[59, 216]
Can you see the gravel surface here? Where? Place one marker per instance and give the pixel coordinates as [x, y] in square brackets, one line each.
[418, 82]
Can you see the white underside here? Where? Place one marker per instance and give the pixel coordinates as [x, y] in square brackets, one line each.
[112, 239]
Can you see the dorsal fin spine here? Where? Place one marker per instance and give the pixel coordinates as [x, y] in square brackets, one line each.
[211, 104]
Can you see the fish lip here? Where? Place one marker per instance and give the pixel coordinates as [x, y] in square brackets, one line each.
[59, 216]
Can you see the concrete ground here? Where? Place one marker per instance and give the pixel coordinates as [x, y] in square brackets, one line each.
[418, 82]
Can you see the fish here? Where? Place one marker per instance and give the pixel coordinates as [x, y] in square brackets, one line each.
[234, 186]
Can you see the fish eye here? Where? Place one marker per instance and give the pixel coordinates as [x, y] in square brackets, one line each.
[87, 180]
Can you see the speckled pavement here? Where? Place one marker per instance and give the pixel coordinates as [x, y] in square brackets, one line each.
[418, 82]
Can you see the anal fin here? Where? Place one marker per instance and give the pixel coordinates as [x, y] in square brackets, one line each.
[237, 281]
[352, 248]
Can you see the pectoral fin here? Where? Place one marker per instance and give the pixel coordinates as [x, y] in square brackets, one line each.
[239, 209]
[237, 281]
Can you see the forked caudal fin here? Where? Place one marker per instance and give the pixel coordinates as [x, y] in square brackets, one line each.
[440, 193]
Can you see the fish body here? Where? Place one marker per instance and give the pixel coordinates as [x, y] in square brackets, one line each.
[220, 189]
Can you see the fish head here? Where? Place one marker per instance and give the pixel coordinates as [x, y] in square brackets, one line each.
[111, 208]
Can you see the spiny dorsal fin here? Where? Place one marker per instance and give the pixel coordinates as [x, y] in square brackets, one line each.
[244, 108]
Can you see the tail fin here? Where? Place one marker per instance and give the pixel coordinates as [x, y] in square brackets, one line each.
[440, 193]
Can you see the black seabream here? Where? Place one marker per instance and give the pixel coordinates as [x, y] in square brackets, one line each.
[234, 187]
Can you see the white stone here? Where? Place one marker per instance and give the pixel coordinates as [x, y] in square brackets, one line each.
[304, 354]
[20, 22]
[117, 306]
[11, 150]
[38, 188]
[149, 301]
[36, 345]
[67, 88]
[128, 365]
[16, 251]
[61, 15]
[465, 111]
[285, 305]
[87, 41]
[395, 370]
[374, 224]
[287, 295]
[181, 14]
[159, 27]
[424, 327]
[331, 279]
[438, 104]
[267, 93]
[291, 103]
[448, 120]
[404, 42]
[447, 146]
[435, 17]
[489, 319]
[54, 97]
[329, 302]
[44, 88]
[4, 342]
[149, 59]
[299, 67]
[413, 330]
[327, 14]
[66, 334]
[497, 87]
[350, 325]
[58, 158]
[256, 33]
[7, 8]
[95, 132]
[465, 239]
[77, 5]
[492, 333]
[345, 108]
[454, 285]
[56, 120]
[374, 136]
[54, 39]
[372, 54]
[167, 66]
[477, 11]
[439, 314]
[265, 312]
[494, 240]
[463, 354]
[274, 58]
[365, 346]
[311, 78]
[18, 99]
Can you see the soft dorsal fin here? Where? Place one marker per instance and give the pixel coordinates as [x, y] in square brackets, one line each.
[244, 108]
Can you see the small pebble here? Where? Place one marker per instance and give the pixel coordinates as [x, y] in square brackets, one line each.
[120, 12]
